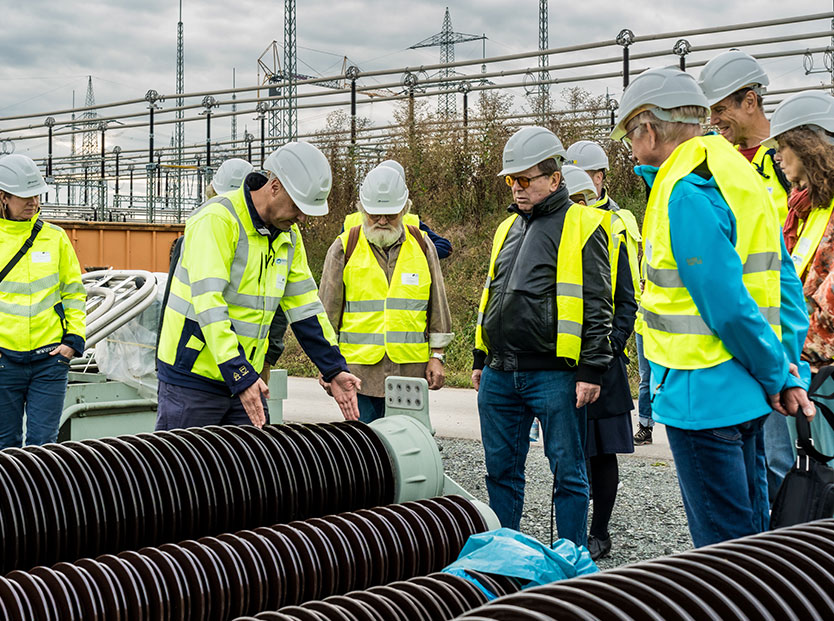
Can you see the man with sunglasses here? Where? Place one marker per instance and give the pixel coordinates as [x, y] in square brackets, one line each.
[722, 306]
[734, 83]
[541, 341]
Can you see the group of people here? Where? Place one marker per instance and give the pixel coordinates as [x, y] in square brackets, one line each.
[732, 266]
[736, 265]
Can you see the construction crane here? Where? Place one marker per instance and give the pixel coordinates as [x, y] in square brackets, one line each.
[446, 39]
[269, 63]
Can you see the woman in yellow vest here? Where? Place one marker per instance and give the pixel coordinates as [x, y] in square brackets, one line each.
[722, 310]
[609, 417]
[42, 308]
[802, 130]
[383, 292]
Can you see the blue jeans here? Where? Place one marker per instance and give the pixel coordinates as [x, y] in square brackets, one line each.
[722, 478]
[370, 408]
[37, 387]
[180, 407]
[507, 403]
[644, 395]
[778, 452]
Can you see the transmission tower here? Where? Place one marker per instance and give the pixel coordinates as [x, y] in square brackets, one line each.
[89, 147]
[179, 126]
[89, 141]
[544, 76]
[234, 116]
[290, 118]
[446, 39]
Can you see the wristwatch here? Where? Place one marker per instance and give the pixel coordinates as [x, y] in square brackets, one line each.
[441, 357]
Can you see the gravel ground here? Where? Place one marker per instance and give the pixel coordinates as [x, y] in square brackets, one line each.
[648, 519]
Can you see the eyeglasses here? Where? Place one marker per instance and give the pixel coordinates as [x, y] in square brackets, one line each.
[626, 140]
[524, 182]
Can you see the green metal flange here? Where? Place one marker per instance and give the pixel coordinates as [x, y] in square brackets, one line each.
[415, 459]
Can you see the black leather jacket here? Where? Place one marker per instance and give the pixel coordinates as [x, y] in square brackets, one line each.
[519, 323]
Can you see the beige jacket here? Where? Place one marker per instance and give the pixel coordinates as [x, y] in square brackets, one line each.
[332, 294]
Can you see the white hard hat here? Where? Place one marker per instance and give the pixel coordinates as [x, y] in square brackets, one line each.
[395, 165]
[658, 90]
[588, 155]
[729, 72]
[579, 182]
[305, 174]
[230, 175]
[530, 146]
[383, 191]
[19, 176]
[806, 108]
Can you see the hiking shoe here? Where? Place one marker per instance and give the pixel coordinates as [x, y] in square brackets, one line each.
[598, 547]
[643, 436]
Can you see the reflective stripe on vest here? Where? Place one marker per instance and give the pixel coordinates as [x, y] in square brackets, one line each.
[380, 317]
[674, 334]
[810, 237]
[580, 223]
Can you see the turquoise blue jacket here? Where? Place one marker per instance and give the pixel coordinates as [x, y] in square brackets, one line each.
[702, 225]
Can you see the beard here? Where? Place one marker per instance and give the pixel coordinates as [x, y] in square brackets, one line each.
[381, 236]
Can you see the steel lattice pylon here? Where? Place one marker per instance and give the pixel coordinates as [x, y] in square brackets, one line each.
[179, 126]
[544, 76]
[290, 129]
[446, 39]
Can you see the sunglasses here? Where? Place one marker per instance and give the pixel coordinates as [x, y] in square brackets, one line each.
[524, 182]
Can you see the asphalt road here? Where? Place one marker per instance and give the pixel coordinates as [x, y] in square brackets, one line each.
[454, 413]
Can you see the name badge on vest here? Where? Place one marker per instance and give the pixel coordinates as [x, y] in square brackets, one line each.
[41, 257]
[410, 279]
[802, 248]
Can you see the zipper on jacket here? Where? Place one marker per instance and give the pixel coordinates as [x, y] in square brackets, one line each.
[525, 225]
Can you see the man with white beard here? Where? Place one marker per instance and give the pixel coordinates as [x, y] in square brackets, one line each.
[382, 289]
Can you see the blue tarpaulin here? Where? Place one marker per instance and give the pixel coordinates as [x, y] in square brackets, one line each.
[507, 552]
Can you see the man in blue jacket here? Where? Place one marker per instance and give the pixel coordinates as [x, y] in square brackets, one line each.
[720, 292]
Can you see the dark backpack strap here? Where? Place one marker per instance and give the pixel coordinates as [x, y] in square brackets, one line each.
[819, 379]
[353, 239]
[419, 237]
[23, 249]
[804, 443]
[780, 174]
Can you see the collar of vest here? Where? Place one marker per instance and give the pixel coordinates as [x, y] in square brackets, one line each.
[554, 202]
[255, 181]
[649, 174]
[17, 227]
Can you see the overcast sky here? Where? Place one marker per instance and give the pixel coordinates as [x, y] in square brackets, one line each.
[49, 47]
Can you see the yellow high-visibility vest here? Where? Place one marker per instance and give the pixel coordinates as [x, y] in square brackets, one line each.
[809, 238]
[580, 223]
[227, 285]
[355, 218]
[674, 334]
[630, 230]
[42, 298]
[764, 165]
[380, 317]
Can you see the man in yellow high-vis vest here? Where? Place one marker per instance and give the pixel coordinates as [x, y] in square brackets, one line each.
[734, 83]
[541, 340]
[383, 291]
[720, 293]
[242, 257]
